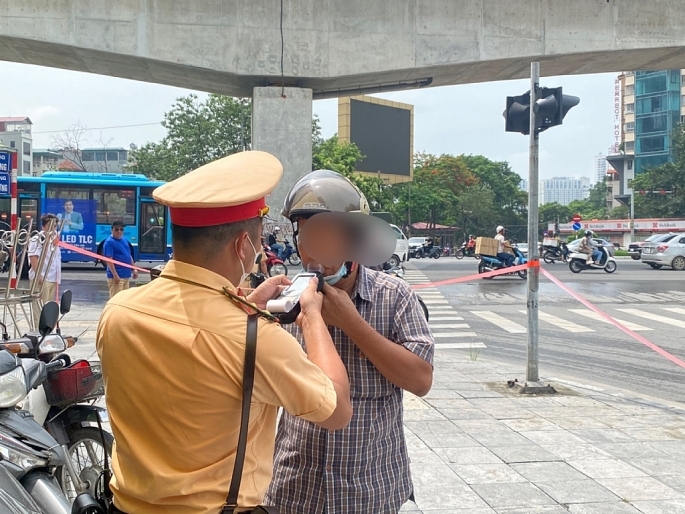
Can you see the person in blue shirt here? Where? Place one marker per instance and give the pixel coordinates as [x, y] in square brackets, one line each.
[116, 247]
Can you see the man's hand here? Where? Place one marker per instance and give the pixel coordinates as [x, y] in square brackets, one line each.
[135, 274]
[269, 290]
[338, 309]
[116, 279]
[310, 302]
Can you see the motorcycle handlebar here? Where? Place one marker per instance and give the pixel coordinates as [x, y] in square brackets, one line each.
[56, 364]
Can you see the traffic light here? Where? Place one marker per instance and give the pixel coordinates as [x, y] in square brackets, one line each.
[550, 108]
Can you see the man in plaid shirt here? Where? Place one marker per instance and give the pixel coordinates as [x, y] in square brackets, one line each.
[383, 338]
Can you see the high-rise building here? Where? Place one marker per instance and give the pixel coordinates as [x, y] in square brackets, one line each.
[600, 167]
[564, 190]
[15, 132]
[523, 185]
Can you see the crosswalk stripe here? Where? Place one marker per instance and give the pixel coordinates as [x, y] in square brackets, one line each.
[655, 317]
[593, 315]
[446, 318]
[677, 310]
[455, 334]
[562, 323]
[435, 301]
[453, 325]
[458, 346]
[504, 323]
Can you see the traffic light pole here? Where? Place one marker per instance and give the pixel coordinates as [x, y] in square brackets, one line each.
[533, 280]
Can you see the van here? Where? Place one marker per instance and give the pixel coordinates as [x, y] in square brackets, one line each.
[401, 247]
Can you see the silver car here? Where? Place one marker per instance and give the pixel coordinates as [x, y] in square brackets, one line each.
[574, 245]
[666, 253]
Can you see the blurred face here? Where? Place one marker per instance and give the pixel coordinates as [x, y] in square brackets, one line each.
[117, 232]
[325, 243]
[68, 206]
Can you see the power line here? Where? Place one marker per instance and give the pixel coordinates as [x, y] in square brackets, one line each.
[99, 128]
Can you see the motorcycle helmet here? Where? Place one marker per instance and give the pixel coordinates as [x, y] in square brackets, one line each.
[588, 233]
[499, 229]
[277, 229]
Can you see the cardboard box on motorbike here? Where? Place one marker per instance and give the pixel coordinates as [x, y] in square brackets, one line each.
[486, 246]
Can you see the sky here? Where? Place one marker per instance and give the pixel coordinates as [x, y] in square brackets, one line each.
[464, 119]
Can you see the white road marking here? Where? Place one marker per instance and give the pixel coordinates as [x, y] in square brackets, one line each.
[458, 346]
[501, 322]
[655, 317]
[562, 323]
[593, 315]
[455, 334]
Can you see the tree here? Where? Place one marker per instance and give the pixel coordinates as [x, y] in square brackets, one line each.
[70, 143]
[553, 211]
[197, 133]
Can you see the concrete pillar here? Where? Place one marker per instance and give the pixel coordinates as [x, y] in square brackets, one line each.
[282, 126]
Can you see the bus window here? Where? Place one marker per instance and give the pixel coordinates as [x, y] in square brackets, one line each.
[28, 210]
[115, 204]
[68, 192]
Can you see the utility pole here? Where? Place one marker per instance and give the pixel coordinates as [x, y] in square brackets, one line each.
[533, 279]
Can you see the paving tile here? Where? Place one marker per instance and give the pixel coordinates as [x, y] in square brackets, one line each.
[474, 426]
[637, 450]
[530, 424]
[512, 495]
[440, 434]
[548, 471]
[659, 467]
[661, 507]
[486, 473]
[537, 509]
[633, 489]
[501, 438]
[607, 469]
[577, 452]
[577, 491]
[570, 423]
[608, 435]
[474, 413]
[603, 508]
[552, 437]
[528, 453]
[674, 482]
[468, 456]
[447, 491]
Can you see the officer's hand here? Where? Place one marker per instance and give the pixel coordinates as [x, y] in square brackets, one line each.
[310, 301]
[338, 308]
[268, 290]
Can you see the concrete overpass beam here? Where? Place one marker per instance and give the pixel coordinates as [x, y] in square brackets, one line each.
[282, 126]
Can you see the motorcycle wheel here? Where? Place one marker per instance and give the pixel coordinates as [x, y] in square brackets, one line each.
[394, 261]
[523, 273]
[610, 267]
[548, 258]
[424, 308]
[459, 254]
[85, 445]
[575, 266]
[278, 269]
[481, 269]
[436, 255]
[419, 254]
[295, 260]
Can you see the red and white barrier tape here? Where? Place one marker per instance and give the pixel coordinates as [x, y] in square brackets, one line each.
[82, 251]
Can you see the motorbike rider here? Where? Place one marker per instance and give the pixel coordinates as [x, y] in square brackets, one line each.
[173, 353]
[384, 340]
[588, 246]
[277, 242]
[502, 245]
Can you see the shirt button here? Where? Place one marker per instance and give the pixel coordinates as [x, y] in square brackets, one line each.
[328, 468]
[331, 431]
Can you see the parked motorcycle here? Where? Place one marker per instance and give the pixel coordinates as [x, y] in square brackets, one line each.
[583, 261]
[29, 453]
[490, 263]
[290, 255]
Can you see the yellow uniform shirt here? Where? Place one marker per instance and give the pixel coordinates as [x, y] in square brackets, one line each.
[172, 358]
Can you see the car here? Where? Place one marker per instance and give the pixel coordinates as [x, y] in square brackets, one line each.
[416, 243]
[523, 247]
[670, 252]
[635, 248]
[574, 245]
[401, 247]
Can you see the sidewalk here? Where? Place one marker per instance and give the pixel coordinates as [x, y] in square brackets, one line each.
[584, 451]
[476, 447]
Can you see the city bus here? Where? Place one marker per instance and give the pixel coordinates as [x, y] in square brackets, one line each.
[86, 204]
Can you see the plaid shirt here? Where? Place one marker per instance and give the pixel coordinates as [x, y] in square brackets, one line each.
[364, 467]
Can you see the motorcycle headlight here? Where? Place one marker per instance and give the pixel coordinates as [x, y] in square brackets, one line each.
[52, 343]
[12, 387]
[19, 454]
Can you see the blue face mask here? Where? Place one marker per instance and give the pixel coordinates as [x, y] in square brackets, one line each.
[333, 279]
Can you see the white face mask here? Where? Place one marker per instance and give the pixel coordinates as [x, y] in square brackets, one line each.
[242, 266]
[333, 279]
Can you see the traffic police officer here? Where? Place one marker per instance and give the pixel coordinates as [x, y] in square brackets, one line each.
[172, 353]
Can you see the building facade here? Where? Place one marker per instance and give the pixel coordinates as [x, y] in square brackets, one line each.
[600, 167]
[15, 132]
[564, 190]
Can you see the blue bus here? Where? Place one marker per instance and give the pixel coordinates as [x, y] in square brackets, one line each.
[86, 205]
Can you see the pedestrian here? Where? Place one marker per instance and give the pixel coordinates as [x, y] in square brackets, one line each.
[173, 353]
[384, 340]
[117, 247]
[51, 271]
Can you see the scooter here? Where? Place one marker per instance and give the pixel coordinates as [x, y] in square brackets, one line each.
[274, 265]
[290, 255]
[490, 263]
[465, 251]
[29, 453]
[583, 261]
[551, 254]
[64, 406]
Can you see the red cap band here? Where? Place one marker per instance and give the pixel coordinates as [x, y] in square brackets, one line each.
[211, 216]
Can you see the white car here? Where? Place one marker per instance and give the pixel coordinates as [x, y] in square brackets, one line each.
[401, 247]
[666, 253]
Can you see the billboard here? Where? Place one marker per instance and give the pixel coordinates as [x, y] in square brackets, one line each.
[384, 132]
[78, 219]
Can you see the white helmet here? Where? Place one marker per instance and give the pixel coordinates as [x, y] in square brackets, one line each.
[499, 229]
[277, 229]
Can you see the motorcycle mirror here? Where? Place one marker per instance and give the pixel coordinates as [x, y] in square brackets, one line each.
[65, 302]
[387, 266]
[48, 318]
